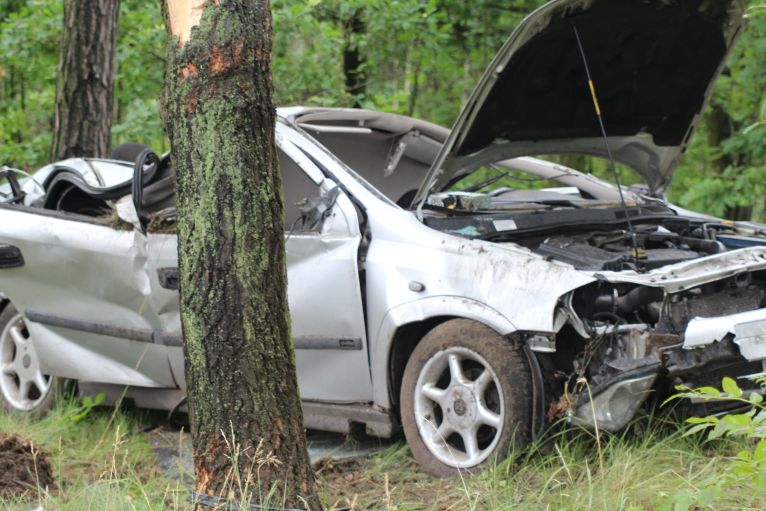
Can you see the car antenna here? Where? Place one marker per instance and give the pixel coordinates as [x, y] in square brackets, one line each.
[592, 88]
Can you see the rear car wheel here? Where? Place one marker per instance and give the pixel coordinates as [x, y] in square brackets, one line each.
[23, 386]
[466, 398]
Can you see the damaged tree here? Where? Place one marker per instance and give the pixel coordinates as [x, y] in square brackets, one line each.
[246, 417]
[85, 79]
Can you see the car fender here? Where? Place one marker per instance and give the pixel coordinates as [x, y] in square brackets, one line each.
[420, 310]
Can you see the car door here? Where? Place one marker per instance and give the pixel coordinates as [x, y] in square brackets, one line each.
[83, 288]
[324, 291]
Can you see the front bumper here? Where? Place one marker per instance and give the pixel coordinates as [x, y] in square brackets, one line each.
[746, 329]
[735, 341]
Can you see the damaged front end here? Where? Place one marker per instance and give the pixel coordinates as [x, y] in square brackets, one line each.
[628, 336]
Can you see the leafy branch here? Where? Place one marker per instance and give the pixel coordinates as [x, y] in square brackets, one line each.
[749, 465]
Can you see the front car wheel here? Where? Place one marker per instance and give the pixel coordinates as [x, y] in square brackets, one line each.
[466, 398]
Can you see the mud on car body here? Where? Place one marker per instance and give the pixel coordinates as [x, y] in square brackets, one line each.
[464, 314]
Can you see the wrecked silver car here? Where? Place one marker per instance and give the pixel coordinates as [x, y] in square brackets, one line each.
[467, 311]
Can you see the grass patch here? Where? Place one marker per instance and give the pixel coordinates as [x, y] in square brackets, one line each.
[100, 462]
[104, 462]
[650, 466]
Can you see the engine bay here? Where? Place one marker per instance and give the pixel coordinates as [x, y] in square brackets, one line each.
[617, 250]
[635, 238]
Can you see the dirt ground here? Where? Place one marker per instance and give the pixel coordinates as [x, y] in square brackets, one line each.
[24, 467]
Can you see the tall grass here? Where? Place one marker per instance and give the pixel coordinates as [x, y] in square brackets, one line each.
[104, 462]
[100, 462]
[646, 467]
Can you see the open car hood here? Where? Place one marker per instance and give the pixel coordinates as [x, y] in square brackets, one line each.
[653, 64]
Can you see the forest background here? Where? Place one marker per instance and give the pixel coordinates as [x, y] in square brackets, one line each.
[415, 57]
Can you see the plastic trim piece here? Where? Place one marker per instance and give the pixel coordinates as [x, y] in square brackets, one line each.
[10, 257]
[133, 334]
[311, 342]
[157, 337]
[119, 332]
[168, 278]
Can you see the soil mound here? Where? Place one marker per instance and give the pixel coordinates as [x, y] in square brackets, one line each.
[24, 467]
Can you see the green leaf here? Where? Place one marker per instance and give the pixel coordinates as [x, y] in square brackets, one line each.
[718, 431]
[702, 420]
[760, 451]
[79, 416]
[708, 392]
[696, 429]
[673, 397]
[737, 421]
[755, 398]
[730, 386]
[683, 501]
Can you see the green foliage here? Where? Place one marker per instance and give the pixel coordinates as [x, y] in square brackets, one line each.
[87, 406]
[698, 183]
[139, 79]
[419, 57]
[748, 467]
[29, 41]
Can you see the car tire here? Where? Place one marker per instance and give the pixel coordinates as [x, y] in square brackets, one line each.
[466, 398]
[23, 387]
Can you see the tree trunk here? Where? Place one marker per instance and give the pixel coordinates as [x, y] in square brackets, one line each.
[720, 127]
[85, 78]
[245, 412]
[353, 61]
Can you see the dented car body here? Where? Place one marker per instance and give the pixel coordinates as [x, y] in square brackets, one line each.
[464, 313]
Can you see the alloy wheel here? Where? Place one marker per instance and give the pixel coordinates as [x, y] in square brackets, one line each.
[22, 383]
[459, 408]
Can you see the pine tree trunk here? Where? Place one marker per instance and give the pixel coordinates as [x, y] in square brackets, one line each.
[85, 79]
[240, 365]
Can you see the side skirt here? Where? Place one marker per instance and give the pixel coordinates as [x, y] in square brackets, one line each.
[339, 418]
[344, 418]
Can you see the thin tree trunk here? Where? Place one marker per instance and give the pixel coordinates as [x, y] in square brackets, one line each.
[85, 78]
[415, 90]
[353, 60]
[720, 127]
[240, 368]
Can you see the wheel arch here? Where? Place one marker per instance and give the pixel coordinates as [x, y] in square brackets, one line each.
[405, 325]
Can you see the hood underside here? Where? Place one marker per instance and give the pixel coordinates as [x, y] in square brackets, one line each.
[653, 63]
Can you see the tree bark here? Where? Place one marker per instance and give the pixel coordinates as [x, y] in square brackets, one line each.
[245, 411]
[85, 79]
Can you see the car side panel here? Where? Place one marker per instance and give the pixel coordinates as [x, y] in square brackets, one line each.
[85, 293]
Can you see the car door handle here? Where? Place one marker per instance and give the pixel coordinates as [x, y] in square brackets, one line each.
[10, 257]
[168, 278]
